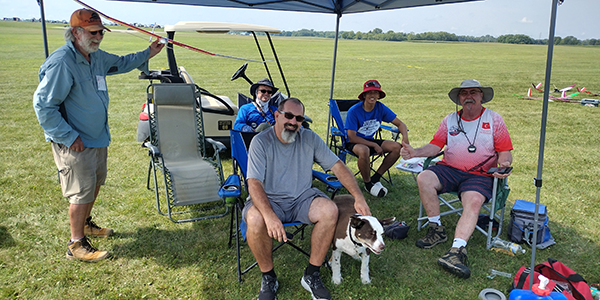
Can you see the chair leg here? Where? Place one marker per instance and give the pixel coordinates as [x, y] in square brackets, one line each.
[234, 213]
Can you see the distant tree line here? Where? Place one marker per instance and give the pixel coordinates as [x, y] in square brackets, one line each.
[378, 34]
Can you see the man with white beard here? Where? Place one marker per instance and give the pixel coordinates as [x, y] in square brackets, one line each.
[71, 104]
[280, 161]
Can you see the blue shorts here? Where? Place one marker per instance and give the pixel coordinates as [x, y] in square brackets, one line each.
[294, 211]
[455, 180]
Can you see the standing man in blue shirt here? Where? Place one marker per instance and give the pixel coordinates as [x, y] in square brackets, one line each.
[71, 104]
[362, 122]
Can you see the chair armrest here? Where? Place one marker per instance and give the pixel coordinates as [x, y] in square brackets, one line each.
[428, 160]
[393, 129]
[336, 132]
[231, 187]
[218, 146]
[152, 150]
[328, 179]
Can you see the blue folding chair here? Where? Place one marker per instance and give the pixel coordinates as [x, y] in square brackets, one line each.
[339, 137]
[235, 187]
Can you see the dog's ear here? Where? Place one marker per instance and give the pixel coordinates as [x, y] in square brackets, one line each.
[387, 221]
[356, 222]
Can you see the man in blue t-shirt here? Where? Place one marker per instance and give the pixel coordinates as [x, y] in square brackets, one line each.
[362, 122]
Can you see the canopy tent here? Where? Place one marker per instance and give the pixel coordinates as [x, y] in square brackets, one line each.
[340, 7]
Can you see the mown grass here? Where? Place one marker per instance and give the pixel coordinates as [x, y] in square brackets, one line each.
[153, 258]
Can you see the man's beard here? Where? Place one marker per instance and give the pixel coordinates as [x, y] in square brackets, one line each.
[86, 44]
[289, 135]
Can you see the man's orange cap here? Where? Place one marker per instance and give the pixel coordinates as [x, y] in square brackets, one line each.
[87, 19]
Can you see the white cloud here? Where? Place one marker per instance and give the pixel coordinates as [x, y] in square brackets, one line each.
[524, 20]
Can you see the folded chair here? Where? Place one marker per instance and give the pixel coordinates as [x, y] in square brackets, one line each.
[177, 149]
[235, 188]
[338, 110]
[494, 208]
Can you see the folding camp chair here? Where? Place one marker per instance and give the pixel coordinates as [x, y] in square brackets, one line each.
[235, 188]
[177, 148]
[338, 110]
[494, 208]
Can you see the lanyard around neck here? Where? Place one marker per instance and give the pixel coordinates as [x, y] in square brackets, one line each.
[262, 112]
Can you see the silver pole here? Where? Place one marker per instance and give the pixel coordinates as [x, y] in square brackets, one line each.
[335, 45]
[538, 179]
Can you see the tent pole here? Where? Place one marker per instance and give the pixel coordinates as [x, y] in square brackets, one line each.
[335, 46]
[538, 179]
[43, 19]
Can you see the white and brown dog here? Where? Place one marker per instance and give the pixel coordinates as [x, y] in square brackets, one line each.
[357, 236]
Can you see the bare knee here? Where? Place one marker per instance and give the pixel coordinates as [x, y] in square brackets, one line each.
[254, 220]
[361, 150]
[428, 180]
[472, 201]
[323, 210]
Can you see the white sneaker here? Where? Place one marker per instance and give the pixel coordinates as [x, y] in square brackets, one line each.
[378, 190]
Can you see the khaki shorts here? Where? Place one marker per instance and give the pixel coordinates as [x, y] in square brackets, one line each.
[80, 172]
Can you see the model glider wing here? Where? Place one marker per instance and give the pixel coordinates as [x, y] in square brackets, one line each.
[162, 39]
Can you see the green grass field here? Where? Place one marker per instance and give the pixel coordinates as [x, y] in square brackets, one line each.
[153, 258]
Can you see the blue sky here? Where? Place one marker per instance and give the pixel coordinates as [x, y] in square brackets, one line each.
[579, 18]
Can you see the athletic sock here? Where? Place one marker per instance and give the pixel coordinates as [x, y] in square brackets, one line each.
[311, 269]
[457, 243]
[375, 178]
[435, 220]
[369, 185]
[270, 273]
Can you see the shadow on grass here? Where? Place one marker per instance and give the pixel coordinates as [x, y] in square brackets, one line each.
[176, 247]
[6, 239]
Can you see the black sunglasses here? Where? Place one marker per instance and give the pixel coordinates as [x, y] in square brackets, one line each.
[266, 91]
[290, 116]
[372, 84]
[101, 32]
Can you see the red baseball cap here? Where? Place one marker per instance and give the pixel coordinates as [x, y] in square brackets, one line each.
[87, 19]
[371, 85]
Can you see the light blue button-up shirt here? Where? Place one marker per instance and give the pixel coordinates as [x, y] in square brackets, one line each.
[67, 77]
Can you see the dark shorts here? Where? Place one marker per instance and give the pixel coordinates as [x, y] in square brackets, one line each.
[294, 211]
[455, 180]
[350, 146]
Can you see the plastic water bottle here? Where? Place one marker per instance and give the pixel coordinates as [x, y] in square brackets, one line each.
[508, 246]
[539, 292]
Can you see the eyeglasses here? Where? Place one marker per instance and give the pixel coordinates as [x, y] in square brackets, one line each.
[266, 91]
[101, 32]
[290, 116]
[372, 83]
[471, 92]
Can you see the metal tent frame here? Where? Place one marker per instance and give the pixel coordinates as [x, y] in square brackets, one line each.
[341, 7]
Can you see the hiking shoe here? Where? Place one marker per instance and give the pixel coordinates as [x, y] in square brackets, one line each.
[314, 285]
[454, 262]
[82, 250]
[436, 234]
[90, 228]
[377, 190]
[268, 288]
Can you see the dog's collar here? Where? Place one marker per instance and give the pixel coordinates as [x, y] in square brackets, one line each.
[350, 234]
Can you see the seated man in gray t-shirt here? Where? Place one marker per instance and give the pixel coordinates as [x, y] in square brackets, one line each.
[280, 161]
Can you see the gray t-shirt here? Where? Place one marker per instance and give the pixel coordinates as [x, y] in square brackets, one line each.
[286, 169]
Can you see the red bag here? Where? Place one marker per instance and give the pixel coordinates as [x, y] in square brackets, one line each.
[562, 280]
